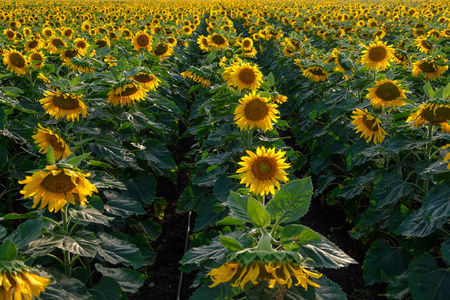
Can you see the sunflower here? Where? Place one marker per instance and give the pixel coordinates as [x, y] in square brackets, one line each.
[44, 138]
[279, 99]
[263, 169]
[255, 112]
[47, 32]
[60, 105]
[142, 41]
[81, 43]
[20, 282]
[172, 41]
[70, 53]
[10, 34]
[247, 43]
[55, 186]
[37, 60]
[202, 41]
[250, 52]
[162, 50]
[368, 125]
[79, 65]
[386, 93]
[55, 45]
[217, 41]
[126, 94]
[103, 42]
[377, 55]
[68, 32]
[429, 68]
[256, 271]
[424, 45]
[147, 80]
[316, 73]
[205, 82]
[15, 62]
[434, 113]
[186, 30]
[447, 156]
[400, 57]
[34, 44]
[243, 76]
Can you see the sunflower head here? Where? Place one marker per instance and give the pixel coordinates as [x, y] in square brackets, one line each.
[147, 80]
[424, 45]
[45, 137]
[255, 112]
[433, 113]
[386, 93]
[202, 41]
[243, 76]
[142, 41]
[316, 73]
[218, 41]
[162, 50]
[377, 55]
[37, 60]
[430, 68]
[263, 170]
[15, 62]
[17, 281]
[368, 125]
[126, 93]
[60, 105]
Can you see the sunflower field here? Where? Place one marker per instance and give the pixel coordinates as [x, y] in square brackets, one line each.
[235, 124]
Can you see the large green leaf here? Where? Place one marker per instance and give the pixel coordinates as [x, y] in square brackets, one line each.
[103, 180]
[116, 251]
[8, 250]
[328, 290]
[237, 204]
[106, 289]
[87, 215]
[398, 287]
[208, 213]
[129, 280]
[326, 254]
[427, 280]
[27, 232]
[298, 235]
[157, 156]
[63, 288]
[118, 155]
[142, 187]
[44, 245]
[445, 249]
[384, 262]
[219, 292]
[121, 205]
[292, 201]
[257, 212]
[388, 190]
[437, 202]
[151, 229]
[419, 225]
[82, 243]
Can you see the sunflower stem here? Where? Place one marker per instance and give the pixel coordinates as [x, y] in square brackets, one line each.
[67, 263]
[428, 156]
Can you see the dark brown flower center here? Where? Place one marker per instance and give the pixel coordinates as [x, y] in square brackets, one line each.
[60, 183]
[10, 34]
[427, 67]
[264, 168]
[370, 124]
[440, 115]
[128, 91]
[66, 102]
[33, 44]
[218, 39]
[56, 145]
[48, 33]
[377, 53]
[247, 76]
[143, 40]
[17, 60]
[81, 44]
[68, 32]
[387, 91]
[36, 56]
[256, 110]
[317, 71]
[161, 49]
[70, 53]
[58, 43]
[427, 45]
[143, 78]
[101, 43]
[246, 43]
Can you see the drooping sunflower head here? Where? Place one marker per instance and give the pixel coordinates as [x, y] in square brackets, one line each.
[162, 50]
[37, 60]
[60, 105]
[17, 281]
[196, 77]
[147, 80]
[386, 93]
[243, 76]
[377, 55]
[142, 41]
[45, 137]
[56, 186]
[263, 170]
[126, 93]
[315, 73]
[79, 65]
[400, 57]
[261, 271]
[15, 62]
[429, 68]
[55, 45]
[424, 45]
[368, 125]
[433, 113]
[70, 53]
[255, 112]
[218, 41]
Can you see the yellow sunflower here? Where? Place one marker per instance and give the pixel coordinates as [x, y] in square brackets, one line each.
[434, 113]
[400, 57]
[14, 285]
[81, 43]
[247, 43]
[447, 156]
[142, 41]
[79, 65]
[162, 50]
[147, 80]
[429, 68]
[255, 112]
[368, 125]
[243, 76]
[70, 53]
[377, 55]
[172, 41]
[424, 45]
[316, 73]
[257, 271]
[54, 187]
[34, 44]
[45, 137]
[196, 78]
[126, 94]
[10, 34]
[60, 105]
[386, 93]
[37, 60]
[202, 41]
[55, 45]
[217, 41]
[15, 62]
[263, 170]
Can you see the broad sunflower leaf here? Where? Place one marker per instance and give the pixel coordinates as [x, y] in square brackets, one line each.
[427, 280]
[437, 202]
[106, 289]
[299, 234]
[27, 232]
[88, 215]
[63, 288]
[118, 155]
[230, 243]
[384, 262]
[142, 187]
[445, 249]
[292, 201]
[388, 190]
[129, 280]
[83, 243]
[8, 250]
[257, 212]
[157, 156]
[237, 204]
[398, 287]
[116, 251]
[121, 205]
[419, 225]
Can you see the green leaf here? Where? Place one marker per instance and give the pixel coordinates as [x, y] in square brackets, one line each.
[445, 249]
[106, 289]
[75, 161]
[122, 64]
[328, 290]
[116, 251]
[388, 190]
[436, 204]
[96, 163]
[299, 234]
[151, 229]
[142, 187]
[291, 202]
[390, 75]
[121, 205]
[227, 221]
[427, 280]
[50, 156]
[113, 151]
[129, 280]
[44, 245]
[398, 287]
[230, 243]
[237, 204]
[63, 288]
[446, 93]
[83, 243]
[326, 254]
[419, 225]
[270, 79]
[158, 157]
[2, 232]
[87, 215]
[8, 250]
[27, 232]
[428, 90]
[384, 262]
[257, 212]
[74, 82]
[14, 216]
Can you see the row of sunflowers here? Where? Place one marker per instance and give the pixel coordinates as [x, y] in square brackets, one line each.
[286, 102]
